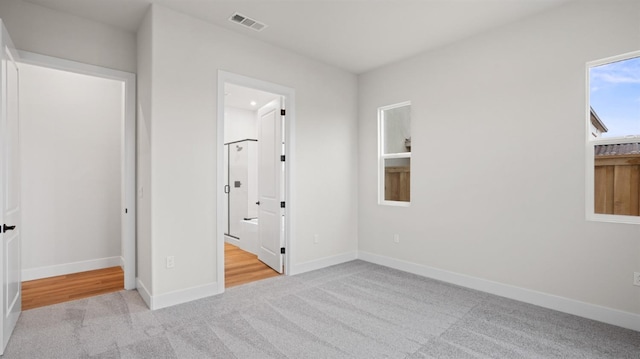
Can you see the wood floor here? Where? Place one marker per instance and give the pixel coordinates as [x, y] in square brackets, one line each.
[47, 291]
[240, 267]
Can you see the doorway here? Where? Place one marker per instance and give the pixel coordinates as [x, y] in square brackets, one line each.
[255, 125]
[89, 191]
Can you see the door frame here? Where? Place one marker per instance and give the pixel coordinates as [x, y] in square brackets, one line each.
[128, 149]
[288, 93]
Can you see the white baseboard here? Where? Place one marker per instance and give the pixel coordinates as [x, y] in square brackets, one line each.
[232, 240]
[144, 292]
[562, 304]
[67, 268]
[182, 296]
[322, 263]
[242, 244]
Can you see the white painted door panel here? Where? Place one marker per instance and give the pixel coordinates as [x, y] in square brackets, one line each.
[10, 266]
[269, 185]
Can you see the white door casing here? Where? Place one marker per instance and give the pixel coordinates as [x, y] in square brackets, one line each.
[289, 96]
[227, 190]
[128, 149]
[270, 213]
[10, 265]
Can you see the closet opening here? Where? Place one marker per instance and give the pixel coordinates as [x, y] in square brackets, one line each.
[77, 132]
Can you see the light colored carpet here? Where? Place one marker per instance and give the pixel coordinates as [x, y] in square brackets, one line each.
[353, 310]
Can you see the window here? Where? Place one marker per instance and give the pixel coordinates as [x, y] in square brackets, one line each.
[613, 139]
[394, 154]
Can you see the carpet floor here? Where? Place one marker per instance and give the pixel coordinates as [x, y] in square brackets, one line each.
[353, 310]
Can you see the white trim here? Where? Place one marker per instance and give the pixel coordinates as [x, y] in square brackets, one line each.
[73, 66]
[614, 140]
[240, 244]
[182, 296]
[610, 218]
[128, 149]
[591, 142]
[395, 203]
[144, 293]
[382, 157]
[68, 268]
[323, 262]
[562, 304]
[289, 192]
[394, 105]
[395, 155]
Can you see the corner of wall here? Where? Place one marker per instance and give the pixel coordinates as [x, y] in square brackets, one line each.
[143, 154]
[182, 296]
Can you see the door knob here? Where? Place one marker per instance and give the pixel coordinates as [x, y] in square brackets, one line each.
[7, 228]
[258, 203]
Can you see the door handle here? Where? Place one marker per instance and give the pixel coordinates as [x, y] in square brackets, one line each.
[258, 203]
[7, 228]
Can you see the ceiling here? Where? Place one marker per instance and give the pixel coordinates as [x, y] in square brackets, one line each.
[355, 35]
[243, 97]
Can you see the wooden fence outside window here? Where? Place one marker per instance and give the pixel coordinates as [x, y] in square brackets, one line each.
[617, 184]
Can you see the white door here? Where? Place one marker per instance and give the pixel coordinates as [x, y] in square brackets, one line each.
[270, 233]
[10, 267]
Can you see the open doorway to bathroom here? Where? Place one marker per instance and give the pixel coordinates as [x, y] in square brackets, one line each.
[252, 216]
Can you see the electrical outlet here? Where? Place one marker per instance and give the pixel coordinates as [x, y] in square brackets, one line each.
[171, 261]
[315, 238]
[396, 238]
[636, 278]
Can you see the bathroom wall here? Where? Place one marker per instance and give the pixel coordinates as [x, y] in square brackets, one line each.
[239, 124]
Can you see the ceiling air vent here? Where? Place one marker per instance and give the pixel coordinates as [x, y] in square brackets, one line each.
[247, 22]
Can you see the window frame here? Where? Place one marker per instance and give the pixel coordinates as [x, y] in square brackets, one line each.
[591, 142]
[382, 156]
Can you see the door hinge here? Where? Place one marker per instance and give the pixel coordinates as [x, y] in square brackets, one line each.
[283, 112]
[282, 205]
[282, 250]
[282, 158]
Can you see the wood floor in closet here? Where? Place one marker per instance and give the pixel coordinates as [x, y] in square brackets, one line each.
[64, 288]
[240, 268]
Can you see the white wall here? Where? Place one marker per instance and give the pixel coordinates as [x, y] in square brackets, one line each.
[498, 158]
[70, 142]
[186, 56]
[239, 124]
[44, 31]
[143, 157]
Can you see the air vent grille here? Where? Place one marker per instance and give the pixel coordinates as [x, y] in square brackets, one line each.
[247, 22]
